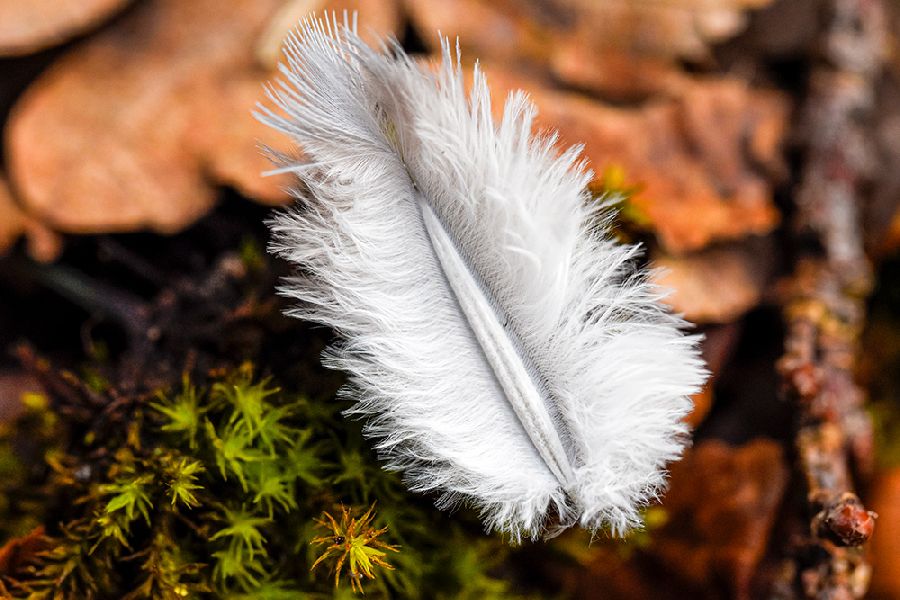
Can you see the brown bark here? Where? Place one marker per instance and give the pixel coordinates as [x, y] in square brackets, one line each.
[825, 307]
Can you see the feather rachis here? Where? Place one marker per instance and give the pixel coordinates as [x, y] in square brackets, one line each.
[614, 366]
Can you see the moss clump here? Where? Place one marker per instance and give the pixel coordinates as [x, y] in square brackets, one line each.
[213, 490]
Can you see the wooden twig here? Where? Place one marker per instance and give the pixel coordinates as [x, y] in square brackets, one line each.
[825, 307]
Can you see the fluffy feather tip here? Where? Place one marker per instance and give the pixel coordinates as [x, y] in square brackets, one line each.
[505, 351]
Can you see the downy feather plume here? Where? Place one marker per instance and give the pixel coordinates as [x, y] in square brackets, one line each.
[502, 347]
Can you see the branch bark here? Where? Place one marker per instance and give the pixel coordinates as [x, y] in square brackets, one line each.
[825, 307]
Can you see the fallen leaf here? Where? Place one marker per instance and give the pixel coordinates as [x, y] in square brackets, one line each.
[717, 346]
[721, 505]
[501, 31]
[30, 25]
[232, 153]
[882, 211]
[43, 244]
[781, 29]
[701, 162]
[885, 500]
[717, 284]
[631, 49]
[125, 131]
[377, 20]
[615, 74]
[12, 219]
[618, 48]
[674, 28]
[17, 553]
[706, 171]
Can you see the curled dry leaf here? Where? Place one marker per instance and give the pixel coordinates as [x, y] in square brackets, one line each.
[12, 219]
[30, 25]
[147, 117]
[882, 214]
[378, 20]
[719, 342]
[722, 504]
[700, 162]
[229, 137]
[43, 244]
[498, 31]
[677, 28]
[18, 553]
[233, 153]
[619, 48]
[629, 48]
[706, 170]
[133, 128]
[718, 284]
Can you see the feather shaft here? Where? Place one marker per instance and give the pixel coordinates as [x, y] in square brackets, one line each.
[503, 347]
[523, 394]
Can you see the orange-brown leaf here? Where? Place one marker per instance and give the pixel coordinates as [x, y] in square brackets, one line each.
[134, 128]
[30, 25]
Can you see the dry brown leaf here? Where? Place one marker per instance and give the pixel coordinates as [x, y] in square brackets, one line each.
[721, 505]
[232, 153]
[626, 49]
[500, 30]
[30, 25]
[720, 509]
[676, 28]
[43, 244]
[701, 161]
[12, 219]
[718, 284]
[882, 214]
[377, 20]
[614, 74]
[148, 115]
[702, 403]
[717, 346]
[885, 500]
[131, 129]
[619, 48]
[705, 169]
[18, 553]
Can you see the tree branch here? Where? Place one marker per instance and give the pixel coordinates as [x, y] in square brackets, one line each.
[825, 307]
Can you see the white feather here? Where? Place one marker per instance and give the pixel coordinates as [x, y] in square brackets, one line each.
[502, 347]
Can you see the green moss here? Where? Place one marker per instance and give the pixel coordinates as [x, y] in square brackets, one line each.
[213, 490]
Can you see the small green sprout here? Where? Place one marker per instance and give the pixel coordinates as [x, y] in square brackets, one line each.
[243, 531]
[182, 412]
[182, 478]
[109, 527]
[234, 449]
[245, 546]
[129, 494]
[248, 400]
[273, 487]
[304, 459]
